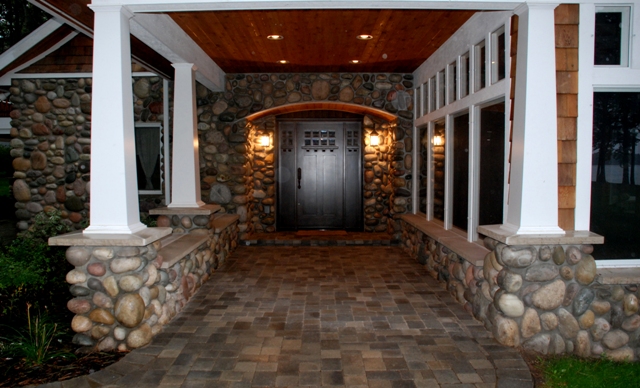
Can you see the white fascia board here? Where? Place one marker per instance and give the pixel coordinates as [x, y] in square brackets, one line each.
[164, 36]
[15, 51]
[208, 5]
[51, 10]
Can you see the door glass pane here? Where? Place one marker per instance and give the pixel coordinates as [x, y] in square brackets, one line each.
[460, 171]
[492, 131]
[615, 179]
[438, 169]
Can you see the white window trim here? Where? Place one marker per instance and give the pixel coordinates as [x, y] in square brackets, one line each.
[491, 93]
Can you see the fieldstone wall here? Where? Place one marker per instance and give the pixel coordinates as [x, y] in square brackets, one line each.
[123, 296]
[238, 174]
[543, 298]
[51, 145]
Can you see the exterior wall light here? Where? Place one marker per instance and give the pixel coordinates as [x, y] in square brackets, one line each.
[374, 138]
[438, 140]
[265, 141]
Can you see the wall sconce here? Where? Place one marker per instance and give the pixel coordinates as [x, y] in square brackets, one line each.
[265, 141]
[374, 138]
[438, 140]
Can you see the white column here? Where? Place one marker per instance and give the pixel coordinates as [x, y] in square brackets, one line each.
[185, 191]
[533, 191]
[114, 192]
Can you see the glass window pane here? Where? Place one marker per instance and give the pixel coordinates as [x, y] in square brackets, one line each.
[148, 153]
[452, 83]
[464, 75]
[423, 163]
[432, 94]
[460, 171]
[441, 88]
[615, 186]
[418, 93]
[438, 169]
[498, 56]
[480, 65]
[608, 38]
[492, 131]
[425, 98]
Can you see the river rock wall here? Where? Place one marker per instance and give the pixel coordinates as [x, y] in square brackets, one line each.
[542, 298]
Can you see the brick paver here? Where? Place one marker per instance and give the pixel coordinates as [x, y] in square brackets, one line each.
[356, 316]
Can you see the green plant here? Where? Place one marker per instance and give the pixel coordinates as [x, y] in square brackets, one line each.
[589, 373]
[148, 220]
[33, 345]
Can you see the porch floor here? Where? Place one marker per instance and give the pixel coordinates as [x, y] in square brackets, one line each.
[319, 316]
[319, 238]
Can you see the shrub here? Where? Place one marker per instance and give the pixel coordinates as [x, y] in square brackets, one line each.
[32, 271]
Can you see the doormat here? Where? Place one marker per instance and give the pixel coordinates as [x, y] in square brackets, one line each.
[308, 233]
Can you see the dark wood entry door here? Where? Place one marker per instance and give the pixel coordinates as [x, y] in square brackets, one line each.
[319, 175]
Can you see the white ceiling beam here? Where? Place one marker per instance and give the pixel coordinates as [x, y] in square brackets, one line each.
[164, 36]
[222, 5]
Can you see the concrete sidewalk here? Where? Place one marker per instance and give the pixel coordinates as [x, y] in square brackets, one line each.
[355, 316]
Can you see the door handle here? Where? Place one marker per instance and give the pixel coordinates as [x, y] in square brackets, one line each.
[299, 176]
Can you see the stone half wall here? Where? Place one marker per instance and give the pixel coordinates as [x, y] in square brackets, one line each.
[239, 174]
[542, 298]
[123, 295]
[51, 144]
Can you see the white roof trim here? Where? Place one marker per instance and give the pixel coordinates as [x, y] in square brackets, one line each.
[46, 7]
[15, 51]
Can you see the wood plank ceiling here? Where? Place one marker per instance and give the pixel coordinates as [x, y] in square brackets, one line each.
[320, 40]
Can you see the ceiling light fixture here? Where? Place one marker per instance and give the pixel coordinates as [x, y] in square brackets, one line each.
[364, 37]
[275, 37]
[354, 61]
[283, 61]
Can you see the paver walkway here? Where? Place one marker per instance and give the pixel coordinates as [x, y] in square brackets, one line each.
[319, 316]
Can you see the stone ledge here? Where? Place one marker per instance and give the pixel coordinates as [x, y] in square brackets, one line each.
[571, 237]
[179, 247]
[138, 239]
[472, 252]
[618, 276]
[202, 210]
[223, 221]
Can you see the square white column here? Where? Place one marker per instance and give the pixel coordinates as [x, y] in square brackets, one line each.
[185, 191]
[114, 191]
[533, 190]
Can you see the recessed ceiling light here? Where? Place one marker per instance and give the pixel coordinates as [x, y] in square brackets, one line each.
[283, 61]
[364, 37]
[275, 37]
[354, 61]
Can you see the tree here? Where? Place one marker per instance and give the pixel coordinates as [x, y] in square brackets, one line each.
[18, 18]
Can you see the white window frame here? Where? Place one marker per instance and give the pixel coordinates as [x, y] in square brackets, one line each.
[625, 33]
[464, 43]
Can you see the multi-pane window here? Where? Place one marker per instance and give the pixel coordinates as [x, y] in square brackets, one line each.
[612, 36]
[425, 98]
[464, 75]
[442, 84]
[480, 66]
[460, 171]
[498, 50]
[452, 82]
[432, 94]
[439, 182]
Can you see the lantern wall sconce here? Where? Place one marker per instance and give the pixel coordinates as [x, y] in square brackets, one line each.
[265, 140]
[374, 138]
[438, 140]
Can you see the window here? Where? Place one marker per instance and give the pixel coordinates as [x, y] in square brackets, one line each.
[612, 36]
[464, 75]
[442, 82]
[452, 83]
[425, 98]
[615, 180]
[149, 157]
[418, 93]
[432, 94]
[423, 164]
[491, 174]
[437, 142]
[460, 171]
[497, 56]
[480, 67]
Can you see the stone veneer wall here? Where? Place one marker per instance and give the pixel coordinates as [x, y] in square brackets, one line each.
[543, 298]
[239, 174]
[51, 145]
[123, 296]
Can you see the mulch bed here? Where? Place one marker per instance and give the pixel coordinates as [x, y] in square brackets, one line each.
[16, 374]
